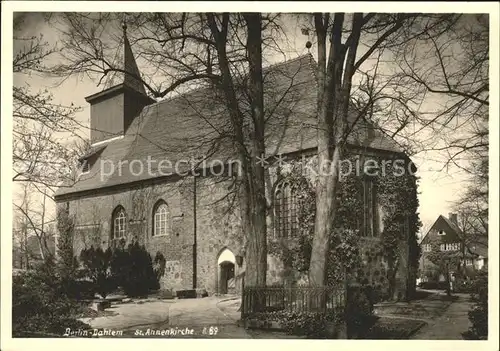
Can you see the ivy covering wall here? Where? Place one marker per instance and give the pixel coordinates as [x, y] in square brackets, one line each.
[387, 261]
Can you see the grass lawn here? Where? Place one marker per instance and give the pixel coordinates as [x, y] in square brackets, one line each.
[425, 306]
[393, 328]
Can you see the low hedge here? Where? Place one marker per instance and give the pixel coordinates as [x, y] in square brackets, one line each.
[309, 324]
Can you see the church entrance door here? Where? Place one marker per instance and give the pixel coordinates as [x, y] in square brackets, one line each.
[226, 272]
[226, 276]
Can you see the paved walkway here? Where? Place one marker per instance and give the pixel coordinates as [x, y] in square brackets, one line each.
[199, 312]
[450, 324]
[127, 315]
[201, 315]
[230, 307]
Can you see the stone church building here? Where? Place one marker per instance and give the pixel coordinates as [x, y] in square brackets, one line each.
[135, 183]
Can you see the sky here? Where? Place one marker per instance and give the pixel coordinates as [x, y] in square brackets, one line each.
[438, 189]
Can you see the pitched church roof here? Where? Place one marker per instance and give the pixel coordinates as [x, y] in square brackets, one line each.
[195, 125]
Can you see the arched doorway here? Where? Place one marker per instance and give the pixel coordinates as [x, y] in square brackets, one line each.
[226, 266]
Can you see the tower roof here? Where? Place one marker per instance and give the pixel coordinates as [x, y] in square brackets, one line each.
[125, 61]
[130, 66]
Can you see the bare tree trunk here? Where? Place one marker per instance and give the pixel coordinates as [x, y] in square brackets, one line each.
[257, 240]
[42, 242]
[447, 272]
[252, 176]
[26, 249]
[324, 192]
[325, 213]
[25, 226]
[334, 88]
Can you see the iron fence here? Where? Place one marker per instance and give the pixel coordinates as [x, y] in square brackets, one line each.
[296, 299]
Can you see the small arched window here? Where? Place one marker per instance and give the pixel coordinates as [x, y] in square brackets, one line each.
[119, 223]
[285, 211]
[161, 216]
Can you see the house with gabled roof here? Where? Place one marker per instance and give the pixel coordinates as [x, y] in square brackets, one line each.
[138, 182]
[447, 232]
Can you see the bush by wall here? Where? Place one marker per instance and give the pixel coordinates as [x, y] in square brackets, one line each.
[80, 289]
[132, 269]
[97, 268]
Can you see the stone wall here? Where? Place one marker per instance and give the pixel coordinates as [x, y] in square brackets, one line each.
[375, 270]
[218, 228]
[93, 217]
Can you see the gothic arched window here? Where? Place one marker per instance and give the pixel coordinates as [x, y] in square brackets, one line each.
[119, 223]
[161, 216]
[285, 211]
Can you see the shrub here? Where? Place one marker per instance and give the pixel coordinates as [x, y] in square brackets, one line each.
[359, 310]
[40, 304]
[480, 286]
[309, 324]
[119, 265]
[67, 263]
[478, 315]
[464, 286]
[81, 290]
[133, 270]
[97, 268]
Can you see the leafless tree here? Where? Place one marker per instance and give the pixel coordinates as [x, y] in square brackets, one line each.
[473, 210]
[40, 125]
[32, 220]
[449, 73]
[20, 252]
[348, 45]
